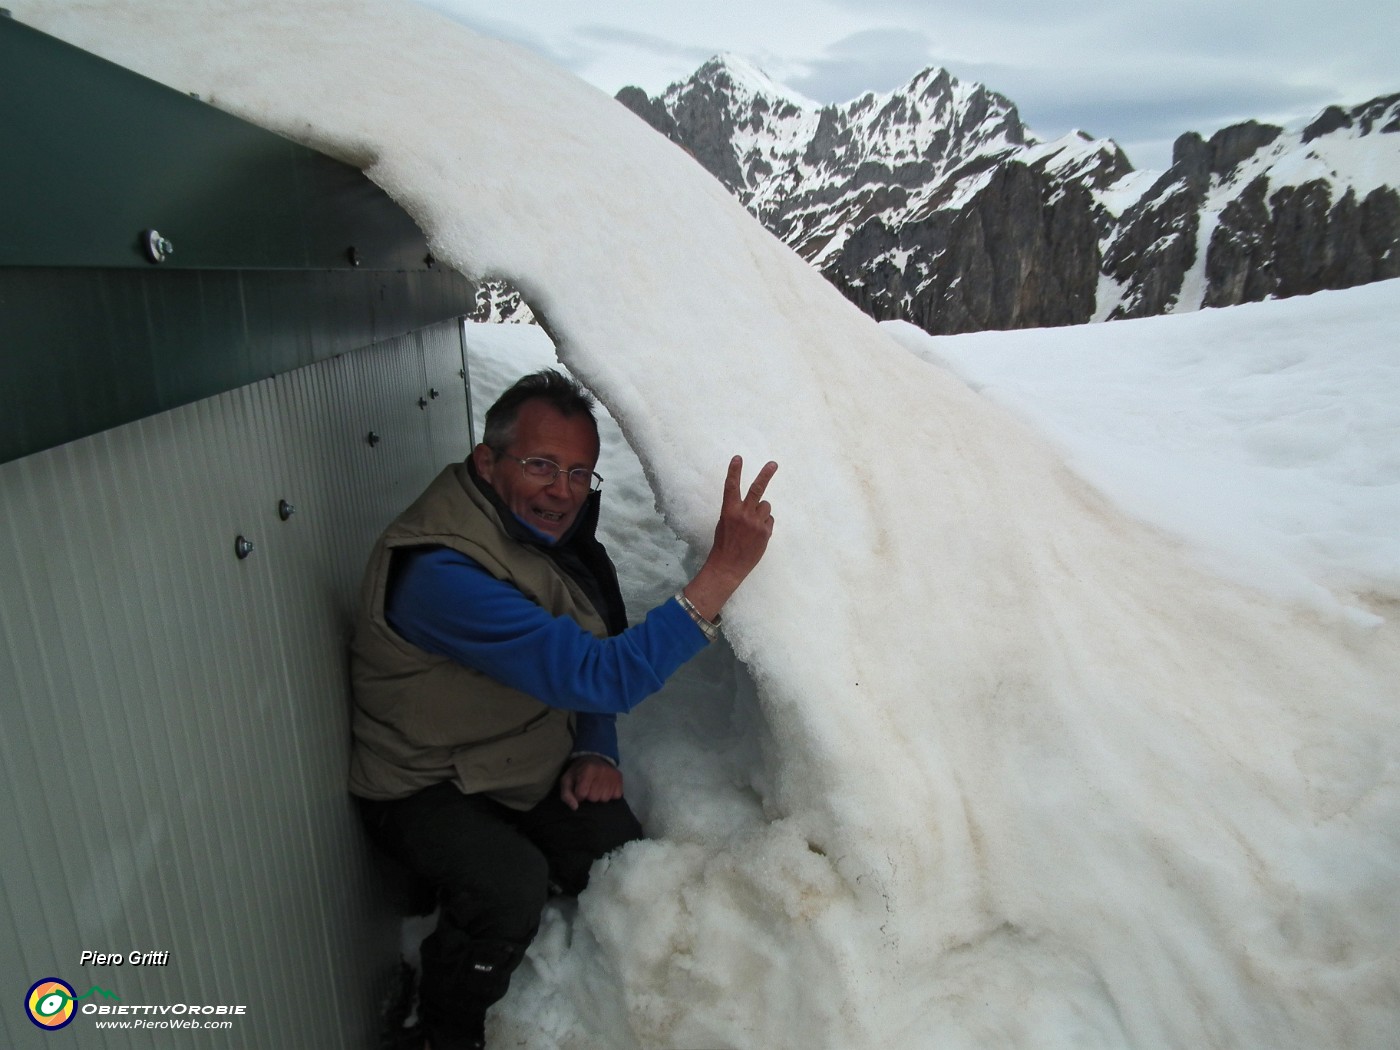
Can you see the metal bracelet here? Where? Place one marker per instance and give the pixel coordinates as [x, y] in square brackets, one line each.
[711, 630]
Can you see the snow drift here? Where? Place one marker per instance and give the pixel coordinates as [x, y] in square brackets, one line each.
[1001, 765]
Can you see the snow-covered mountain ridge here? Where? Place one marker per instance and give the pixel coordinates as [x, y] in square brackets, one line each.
[935, 204]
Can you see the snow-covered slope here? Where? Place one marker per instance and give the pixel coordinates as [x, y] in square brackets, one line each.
[999, 765]
[1267, 435]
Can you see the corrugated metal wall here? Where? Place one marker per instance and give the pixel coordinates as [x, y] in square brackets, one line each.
[175, 721]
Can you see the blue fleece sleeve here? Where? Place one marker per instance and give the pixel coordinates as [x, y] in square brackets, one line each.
[445, 603]
[597, 735]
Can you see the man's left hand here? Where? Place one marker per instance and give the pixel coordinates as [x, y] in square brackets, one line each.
[590, 779]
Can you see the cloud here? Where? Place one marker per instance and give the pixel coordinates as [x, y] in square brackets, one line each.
[661, 47]
[1146, 113]
[511, 32]
[1145, 69]
[1139, 71]
[1130, 97]
[1154, 102]
[872, 60]
[1020, 12]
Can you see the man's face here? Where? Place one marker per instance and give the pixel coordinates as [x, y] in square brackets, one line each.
[543, 432]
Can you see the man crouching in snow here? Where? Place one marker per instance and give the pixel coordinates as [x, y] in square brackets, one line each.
[491, 656]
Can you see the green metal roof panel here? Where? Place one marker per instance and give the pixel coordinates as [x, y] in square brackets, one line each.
[93, 155]
[82, 350]
[93, 333]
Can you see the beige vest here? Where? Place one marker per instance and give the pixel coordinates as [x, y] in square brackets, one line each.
[420, 719]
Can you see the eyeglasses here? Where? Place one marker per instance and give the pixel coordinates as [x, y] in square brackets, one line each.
[545, 471]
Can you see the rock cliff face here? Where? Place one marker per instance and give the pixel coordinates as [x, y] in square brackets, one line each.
[1022, 252]
[930, 203]
[936, 205]
[499, 302]
[1256, 213]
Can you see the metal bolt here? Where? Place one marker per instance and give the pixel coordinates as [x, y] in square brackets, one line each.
[242, 547]
[156, 247]
[372, 438]
[352, 255]
[422, 402]
[433, 393]
[284, 509]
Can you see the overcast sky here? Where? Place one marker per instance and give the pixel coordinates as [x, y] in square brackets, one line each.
[1138, 71]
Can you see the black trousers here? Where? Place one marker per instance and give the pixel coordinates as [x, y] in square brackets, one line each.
[494, 868]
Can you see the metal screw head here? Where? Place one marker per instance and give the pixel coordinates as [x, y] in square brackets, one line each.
[422, 402]
[372, 438]
[156, 247]
[434, 394]
[352, 255]
[242, 547]
[284, 509]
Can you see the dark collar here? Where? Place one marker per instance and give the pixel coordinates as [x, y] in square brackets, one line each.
[577, 553]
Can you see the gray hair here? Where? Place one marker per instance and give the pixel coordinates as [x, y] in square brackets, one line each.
[565, 394]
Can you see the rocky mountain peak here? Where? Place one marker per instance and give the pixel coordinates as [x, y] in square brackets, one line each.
[1379, 115]
[935, 204]
[791, 160]
[744, 81]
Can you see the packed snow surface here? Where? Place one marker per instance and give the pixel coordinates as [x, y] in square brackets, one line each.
[1268, 434]
[994, 763]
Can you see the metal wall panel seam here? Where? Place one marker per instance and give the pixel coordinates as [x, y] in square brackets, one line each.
[244, 935]
[185, 589]
[283, 637]
[170, 533]
[448, 422]
[215, 822]
[256, 784]
[244, 804]
[264, 436]
[126, 455]
[54, 783]
[84, 537]
[298, 648]
[466, 377]
[22, 775]
[394, 353]
[303, 870]
[327, 458]
[332, 809]
[319, 726]
[115, 529]
[345, 543]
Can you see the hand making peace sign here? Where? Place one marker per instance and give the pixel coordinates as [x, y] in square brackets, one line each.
[741, 537]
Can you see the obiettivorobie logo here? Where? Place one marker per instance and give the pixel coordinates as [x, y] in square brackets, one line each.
[53, 1004]
[50, 1002]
